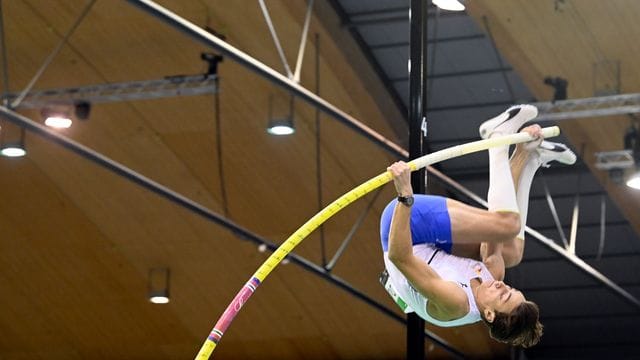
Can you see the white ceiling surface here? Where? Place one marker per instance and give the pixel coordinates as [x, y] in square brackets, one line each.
[576, 309]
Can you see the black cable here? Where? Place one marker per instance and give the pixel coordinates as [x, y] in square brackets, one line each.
[218, 120]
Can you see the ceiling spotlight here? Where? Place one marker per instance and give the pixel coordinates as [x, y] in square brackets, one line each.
[57, 116]
[451, 5]
[13, 148]
[159, 285]
[280, 127]
[634, 181]
[58, 122]
[159, 299]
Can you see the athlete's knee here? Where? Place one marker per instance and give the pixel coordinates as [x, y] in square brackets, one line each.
[507, 225]
[512, 253]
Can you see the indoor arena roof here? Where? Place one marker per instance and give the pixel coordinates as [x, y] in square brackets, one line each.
[82, 245]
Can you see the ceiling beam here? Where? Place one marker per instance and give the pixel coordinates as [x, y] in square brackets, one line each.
[460, 74]
[430, 41]
[383, 11]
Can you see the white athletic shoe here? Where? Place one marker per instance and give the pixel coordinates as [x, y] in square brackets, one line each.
[510, 121]
[550, 151]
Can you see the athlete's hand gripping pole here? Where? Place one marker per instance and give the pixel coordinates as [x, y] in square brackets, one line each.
[258, 277]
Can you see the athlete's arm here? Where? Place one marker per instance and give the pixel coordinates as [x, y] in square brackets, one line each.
[449, 299]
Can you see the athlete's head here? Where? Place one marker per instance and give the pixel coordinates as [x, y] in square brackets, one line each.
[510, 317]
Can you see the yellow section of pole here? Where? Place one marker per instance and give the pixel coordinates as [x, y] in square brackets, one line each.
[307, 228]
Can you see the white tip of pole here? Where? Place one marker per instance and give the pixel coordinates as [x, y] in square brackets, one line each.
[550, 131]
[480, 145]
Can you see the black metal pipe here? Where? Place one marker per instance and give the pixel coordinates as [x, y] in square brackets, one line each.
[417, 138]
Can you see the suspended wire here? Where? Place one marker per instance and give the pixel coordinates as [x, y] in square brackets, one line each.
[218, 126]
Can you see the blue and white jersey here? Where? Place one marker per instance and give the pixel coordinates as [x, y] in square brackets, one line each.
[451, 268]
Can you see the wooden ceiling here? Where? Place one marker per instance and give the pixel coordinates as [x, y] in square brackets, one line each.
[579, 41]
[78, 241]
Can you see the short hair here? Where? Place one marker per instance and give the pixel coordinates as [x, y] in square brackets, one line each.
[520, 327]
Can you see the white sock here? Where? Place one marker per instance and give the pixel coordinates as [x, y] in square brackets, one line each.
[502, 194]
[524, 186]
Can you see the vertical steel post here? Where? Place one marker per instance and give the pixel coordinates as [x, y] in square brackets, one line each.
[417, 133]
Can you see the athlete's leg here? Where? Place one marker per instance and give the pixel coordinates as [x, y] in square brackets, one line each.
[501, 223]
[524, 164]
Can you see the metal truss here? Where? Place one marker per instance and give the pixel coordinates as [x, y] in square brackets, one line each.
[608, 160]
[589, 107]
[182, 85]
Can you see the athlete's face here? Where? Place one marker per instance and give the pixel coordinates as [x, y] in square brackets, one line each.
[498, 296]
